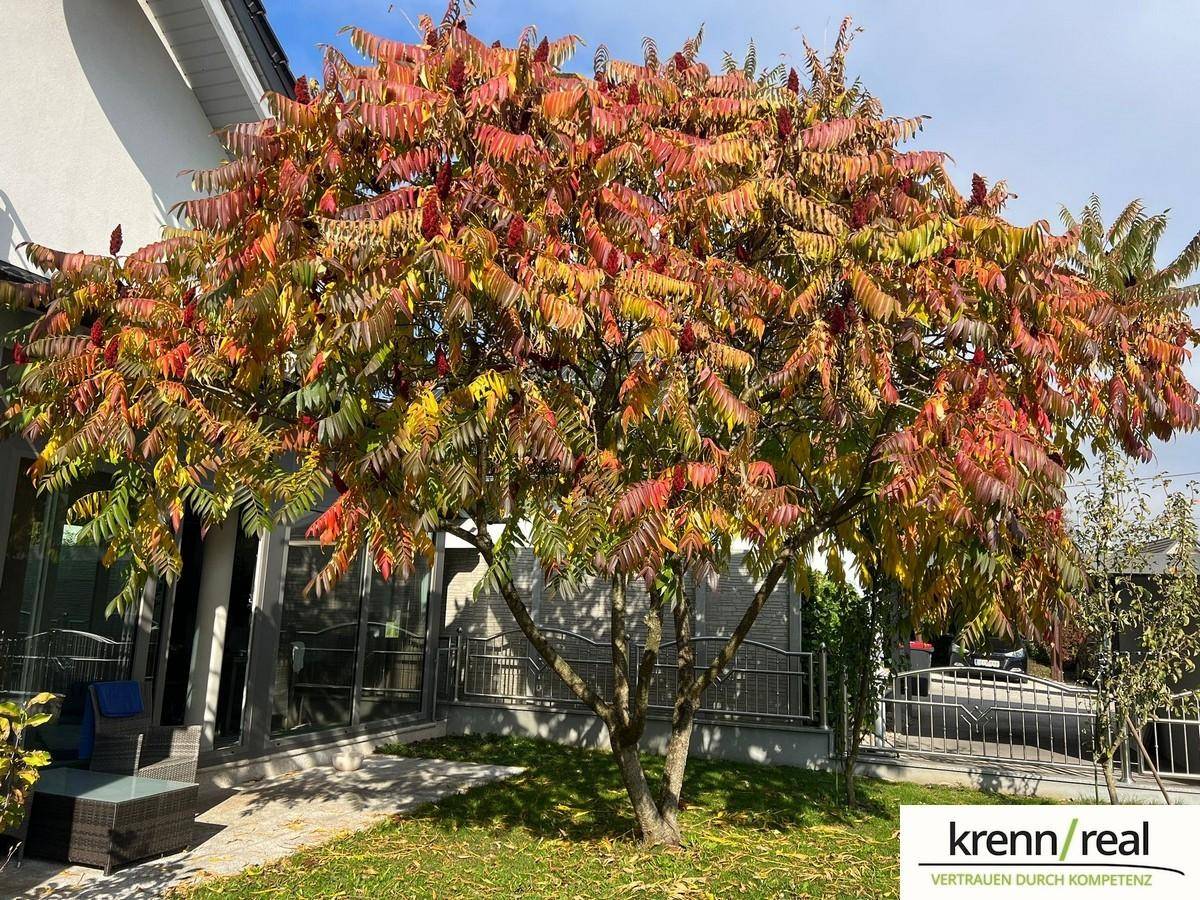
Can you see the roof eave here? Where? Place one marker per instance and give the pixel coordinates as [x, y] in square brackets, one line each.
[17, 275]
[227, 53]
[264, 45]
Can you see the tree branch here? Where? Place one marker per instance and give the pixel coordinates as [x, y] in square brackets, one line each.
[841, 509]
[684, 712]
[520, 612]
[649, 659]
[731, 647]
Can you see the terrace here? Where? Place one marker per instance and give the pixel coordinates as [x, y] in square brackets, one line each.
[262, 822]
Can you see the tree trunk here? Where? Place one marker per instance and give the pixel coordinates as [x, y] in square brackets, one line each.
[1136, 734]
[1110, 780]
[625, 726]
[1056, 658]
[675, 766]
[683, 716]
[624, 715]
[857, 720]
[620, 663]
[653, 828]
[851, 774]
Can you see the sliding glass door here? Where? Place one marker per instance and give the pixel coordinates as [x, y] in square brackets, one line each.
[394, 645]
[354, 654]
[55, 634]
[314, 673]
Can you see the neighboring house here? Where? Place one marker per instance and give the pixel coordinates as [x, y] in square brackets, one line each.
[107, 102]
[1156, 559]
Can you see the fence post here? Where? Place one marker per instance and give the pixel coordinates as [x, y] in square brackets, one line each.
[437, 677]
[845, 713]
[801, 686]
[460, 663]
[824, 687]
[1126, 759]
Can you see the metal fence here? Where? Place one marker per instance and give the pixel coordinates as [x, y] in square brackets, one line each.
[986, 714]
[59, 659]
[1010, 717]
[951, 713]
[1172, 739]
[762, 683]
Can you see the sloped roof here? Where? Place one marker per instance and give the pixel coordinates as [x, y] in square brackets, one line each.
[227, 52]
[9, 272]
[1155, 557]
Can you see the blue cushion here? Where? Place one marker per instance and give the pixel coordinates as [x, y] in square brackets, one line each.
[118, 699]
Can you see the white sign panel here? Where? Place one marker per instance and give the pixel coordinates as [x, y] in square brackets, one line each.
[1049, 851]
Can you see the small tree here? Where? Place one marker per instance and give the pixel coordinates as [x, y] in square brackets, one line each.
[1142, 618]
[1114, 521]
[626, 318]
[1168, 639]
[866, 625]
[849, 626]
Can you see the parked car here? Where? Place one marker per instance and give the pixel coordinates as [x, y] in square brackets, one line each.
[1003, 654]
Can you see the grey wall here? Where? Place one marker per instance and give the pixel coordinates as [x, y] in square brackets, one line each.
[807, 747]
[719, 606]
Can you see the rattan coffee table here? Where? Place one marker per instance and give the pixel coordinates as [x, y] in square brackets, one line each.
[104, 820]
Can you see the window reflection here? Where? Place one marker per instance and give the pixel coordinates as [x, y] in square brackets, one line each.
[395, 645]
[365, 624]
[55, 634]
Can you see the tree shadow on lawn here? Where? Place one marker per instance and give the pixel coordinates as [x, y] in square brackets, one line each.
[577, 794]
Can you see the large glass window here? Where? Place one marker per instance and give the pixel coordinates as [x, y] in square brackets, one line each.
[367, 631]
[54, 632]
[394, 656]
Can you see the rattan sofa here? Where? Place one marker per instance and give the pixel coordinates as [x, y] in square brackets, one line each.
[132, 745]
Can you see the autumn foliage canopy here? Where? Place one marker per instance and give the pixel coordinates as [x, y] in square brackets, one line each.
[646, 311]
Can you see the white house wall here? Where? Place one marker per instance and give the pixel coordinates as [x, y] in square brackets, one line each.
[98, 124]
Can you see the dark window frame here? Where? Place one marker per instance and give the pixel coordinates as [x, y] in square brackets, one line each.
[267, 618]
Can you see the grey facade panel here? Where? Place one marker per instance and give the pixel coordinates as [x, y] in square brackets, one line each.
[588, 611]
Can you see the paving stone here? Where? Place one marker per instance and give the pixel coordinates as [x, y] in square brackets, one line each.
[261, 822]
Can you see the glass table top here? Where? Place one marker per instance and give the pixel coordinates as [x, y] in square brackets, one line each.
[102, 786]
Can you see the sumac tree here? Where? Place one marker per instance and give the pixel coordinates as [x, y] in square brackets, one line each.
[628, 317]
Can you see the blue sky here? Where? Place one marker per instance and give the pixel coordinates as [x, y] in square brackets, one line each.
[1061, 98]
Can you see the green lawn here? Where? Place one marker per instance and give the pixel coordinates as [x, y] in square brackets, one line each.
[562, 830]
